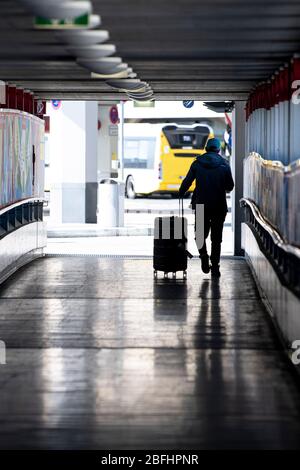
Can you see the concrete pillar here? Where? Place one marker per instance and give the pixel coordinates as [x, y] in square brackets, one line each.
[73, 162]
[238, 155]
[91, 161]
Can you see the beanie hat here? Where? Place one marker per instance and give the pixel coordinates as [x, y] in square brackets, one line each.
[213, 145]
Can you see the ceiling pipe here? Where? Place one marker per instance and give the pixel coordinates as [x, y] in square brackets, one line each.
[96, 51]
[57, 9]
[83, 38]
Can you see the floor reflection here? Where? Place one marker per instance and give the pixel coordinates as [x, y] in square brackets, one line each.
[100, 356]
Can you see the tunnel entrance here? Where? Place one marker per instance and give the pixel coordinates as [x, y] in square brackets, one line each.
[146, 148]
[98, 353]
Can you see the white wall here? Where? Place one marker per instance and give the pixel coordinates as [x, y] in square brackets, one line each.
[91, 121]
[73, 159]
[80, 156]
[283, 305]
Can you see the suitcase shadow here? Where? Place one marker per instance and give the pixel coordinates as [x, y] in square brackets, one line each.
[170, 288]
[174, 293]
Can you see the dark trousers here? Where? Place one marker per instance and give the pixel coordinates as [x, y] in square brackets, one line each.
[213, 223]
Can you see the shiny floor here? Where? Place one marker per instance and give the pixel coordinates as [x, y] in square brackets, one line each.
[101, 356]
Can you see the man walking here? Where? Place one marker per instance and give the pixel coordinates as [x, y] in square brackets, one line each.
[213, 179]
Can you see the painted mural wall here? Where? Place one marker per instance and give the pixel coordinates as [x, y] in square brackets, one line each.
[21, 156]
[275, 189]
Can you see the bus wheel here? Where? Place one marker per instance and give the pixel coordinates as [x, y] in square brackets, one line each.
[129, 189]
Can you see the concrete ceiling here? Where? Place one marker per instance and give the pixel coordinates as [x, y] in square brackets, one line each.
[209, 49]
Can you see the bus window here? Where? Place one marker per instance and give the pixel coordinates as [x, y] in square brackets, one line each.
[181, 138]
[157, 157]
[139, 152]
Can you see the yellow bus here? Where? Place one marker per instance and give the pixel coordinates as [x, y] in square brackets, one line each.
[157, 158]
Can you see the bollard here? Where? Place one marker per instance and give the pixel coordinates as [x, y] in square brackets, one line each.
[110, 212]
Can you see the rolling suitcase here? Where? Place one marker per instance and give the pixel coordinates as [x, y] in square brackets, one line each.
[170, 244]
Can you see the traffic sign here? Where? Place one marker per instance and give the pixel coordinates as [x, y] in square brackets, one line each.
[56, 104]
[114, 115]
[188, 103]
[40, 108]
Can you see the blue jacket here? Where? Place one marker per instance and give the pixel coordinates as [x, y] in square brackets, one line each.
[213, 179]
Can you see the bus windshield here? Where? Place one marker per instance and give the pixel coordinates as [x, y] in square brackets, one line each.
[183, 138]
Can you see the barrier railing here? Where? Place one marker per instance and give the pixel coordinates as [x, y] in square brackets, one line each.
[19, 214]
[284, 257]
[292, 178]
[275, 189]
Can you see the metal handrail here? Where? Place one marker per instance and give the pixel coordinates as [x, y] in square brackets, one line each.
[21, 113]
[276, 237]
[20, 203]
[275, 164]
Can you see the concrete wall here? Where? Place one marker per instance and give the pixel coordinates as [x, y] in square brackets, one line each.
[20, 247]
[67, 162]
[283, 305]
[80, 156]
[21, 177]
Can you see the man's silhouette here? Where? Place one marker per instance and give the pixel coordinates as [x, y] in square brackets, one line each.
[213, 179]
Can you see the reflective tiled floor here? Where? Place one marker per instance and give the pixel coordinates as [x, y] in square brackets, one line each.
[99, 355]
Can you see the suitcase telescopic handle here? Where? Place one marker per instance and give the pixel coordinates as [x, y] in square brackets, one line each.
[181, 209]
[181, 214]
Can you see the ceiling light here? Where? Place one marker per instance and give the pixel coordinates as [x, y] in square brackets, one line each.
[92, 52]
[106, 65]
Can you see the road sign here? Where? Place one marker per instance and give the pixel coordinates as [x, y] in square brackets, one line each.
[114, 115]
[113, 130]
[56, 104]
[188, 103]
[40, 108]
